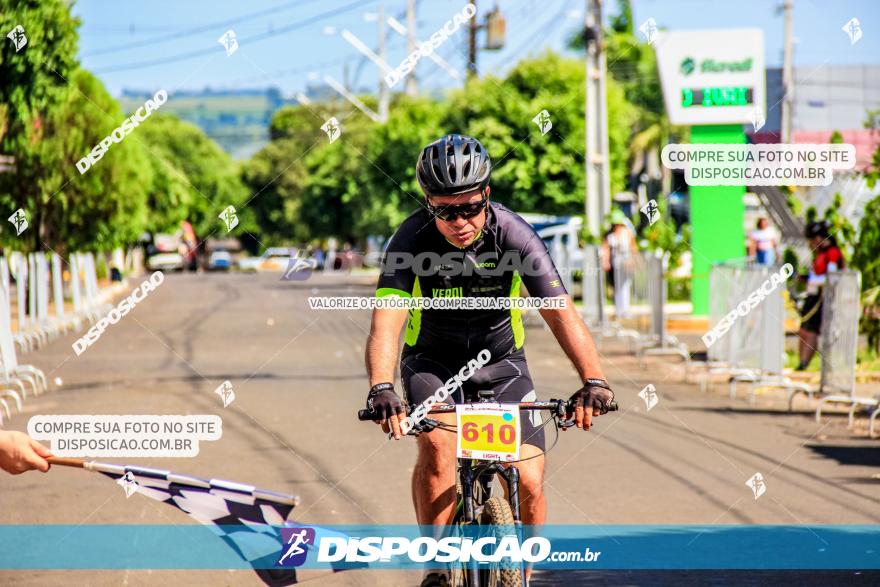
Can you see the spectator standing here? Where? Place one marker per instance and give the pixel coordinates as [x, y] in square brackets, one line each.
[617, 261]
[763, 242]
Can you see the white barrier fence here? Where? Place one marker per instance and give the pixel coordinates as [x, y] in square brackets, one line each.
[838, 346]
[37, 302]
[753, 349]
[640, 291]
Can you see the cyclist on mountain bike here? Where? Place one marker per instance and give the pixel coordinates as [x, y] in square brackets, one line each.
[469, 243]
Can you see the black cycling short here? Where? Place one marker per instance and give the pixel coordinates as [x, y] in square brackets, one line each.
[509, 378]
[811, 314]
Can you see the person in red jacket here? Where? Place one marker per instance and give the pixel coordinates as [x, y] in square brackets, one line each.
[827, 256]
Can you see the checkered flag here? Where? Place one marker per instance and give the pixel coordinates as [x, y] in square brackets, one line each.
[246, 518]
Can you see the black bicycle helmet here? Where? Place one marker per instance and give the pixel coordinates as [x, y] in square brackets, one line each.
[453, 165]
[818, 228]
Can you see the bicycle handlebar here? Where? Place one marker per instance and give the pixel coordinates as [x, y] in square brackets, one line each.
[554, 404]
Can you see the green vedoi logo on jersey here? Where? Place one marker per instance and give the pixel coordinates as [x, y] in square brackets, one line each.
[449, 292]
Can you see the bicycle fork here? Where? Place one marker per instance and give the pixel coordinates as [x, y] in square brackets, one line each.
[511, 477]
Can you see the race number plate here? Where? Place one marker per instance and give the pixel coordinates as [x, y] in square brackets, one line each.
[488, 431]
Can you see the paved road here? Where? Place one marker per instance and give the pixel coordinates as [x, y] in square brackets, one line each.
[298, 376]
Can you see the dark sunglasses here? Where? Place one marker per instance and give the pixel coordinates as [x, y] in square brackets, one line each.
[450, 213]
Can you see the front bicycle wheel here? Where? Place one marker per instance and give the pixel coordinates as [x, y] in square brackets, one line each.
[496, 512]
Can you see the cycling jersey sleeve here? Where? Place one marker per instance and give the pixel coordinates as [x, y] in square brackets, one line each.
[396, 277]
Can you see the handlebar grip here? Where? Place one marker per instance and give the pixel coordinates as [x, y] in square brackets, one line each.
[612, 407]
[365, 415]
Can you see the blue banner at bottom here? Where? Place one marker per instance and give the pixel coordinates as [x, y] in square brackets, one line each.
[628, 547]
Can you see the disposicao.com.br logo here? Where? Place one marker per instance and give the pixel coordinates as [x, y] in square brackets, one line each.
[485, 549]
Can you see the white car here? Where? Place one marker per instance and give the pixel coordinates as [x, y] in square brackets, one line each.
[274, 259]
[220, 259]
[165, 262]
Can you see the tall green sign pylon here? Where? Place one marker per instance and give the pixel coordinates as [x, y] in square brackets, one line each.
[717, 213]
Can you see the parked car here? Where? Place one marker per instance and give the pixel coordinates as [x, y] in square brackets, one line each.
[164, 253]
[273, 259]
[561, 239]
[165, 262]
[220, 260]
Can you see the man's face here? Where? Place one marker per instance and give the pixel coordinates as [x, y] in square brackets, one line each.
[461, 231]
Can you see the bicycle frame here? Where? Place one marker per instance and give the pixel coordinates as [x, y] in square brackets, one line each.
[469, 475]
[465, 514]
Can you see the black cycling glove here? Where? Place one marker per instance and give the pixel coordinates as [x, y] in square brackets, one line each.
[384, 402]
[594, 394]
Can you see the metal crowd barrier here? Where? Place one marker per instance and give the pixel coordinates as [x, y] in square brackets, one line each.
[753, 349]
[630, 295]
[657, 342]
[641, 294]
[594, 312]
[838, 345]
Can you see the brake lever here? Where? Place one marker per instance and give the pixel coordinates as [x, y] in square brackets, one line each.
[425, 425]
[566, 424]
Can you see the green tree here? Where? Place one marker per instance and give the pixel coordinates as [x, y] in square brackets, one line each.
[389, 191]
[364, 183]
[32, 81]
[534, 172]
[197, 180]
[106, 206]
[866, 258]
[275, 177]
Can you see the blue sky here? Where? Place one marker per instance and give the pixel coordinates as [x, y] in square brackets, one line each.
[285, 41]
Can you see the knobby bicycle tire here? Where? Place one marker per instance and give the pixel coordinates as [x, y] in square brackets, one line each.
[497, 513]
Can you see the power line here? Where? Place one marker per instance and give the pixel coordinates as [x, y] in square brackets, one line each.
[196, 30]
[290, 71]
[551, 23]
[254, 39]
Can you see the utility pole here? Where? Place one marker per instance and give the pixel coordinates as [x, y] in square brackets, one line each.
[411, 85]
[787, 74]
[597, 202]
[472, 43]
[383, 88]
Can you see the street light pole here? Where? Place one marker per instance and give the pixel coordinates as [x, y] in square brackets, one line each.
[597, 199]
[472, 43]
[383, 87]
[787, 75]
[411, 88]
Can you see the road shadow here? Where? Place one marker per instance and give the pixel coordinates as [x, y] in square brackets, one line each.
[747, 410]
[198, 378]
[865, 456]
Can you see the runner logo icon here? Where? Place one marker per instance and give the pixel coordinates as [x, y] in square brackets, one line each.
[296, 541]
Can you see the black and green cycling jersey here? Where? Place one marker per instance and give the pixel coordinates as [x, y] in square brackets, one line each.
[507, 253]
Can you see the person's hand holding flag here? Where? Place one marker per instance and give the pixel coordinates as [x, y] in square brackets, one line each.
[19, 453]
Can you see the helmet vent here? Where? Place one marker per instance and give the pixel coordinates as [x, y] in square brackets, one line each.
[466, 169]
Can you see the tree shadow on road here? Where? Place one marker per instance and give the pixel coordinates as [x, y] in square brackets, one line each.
[865, 456]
